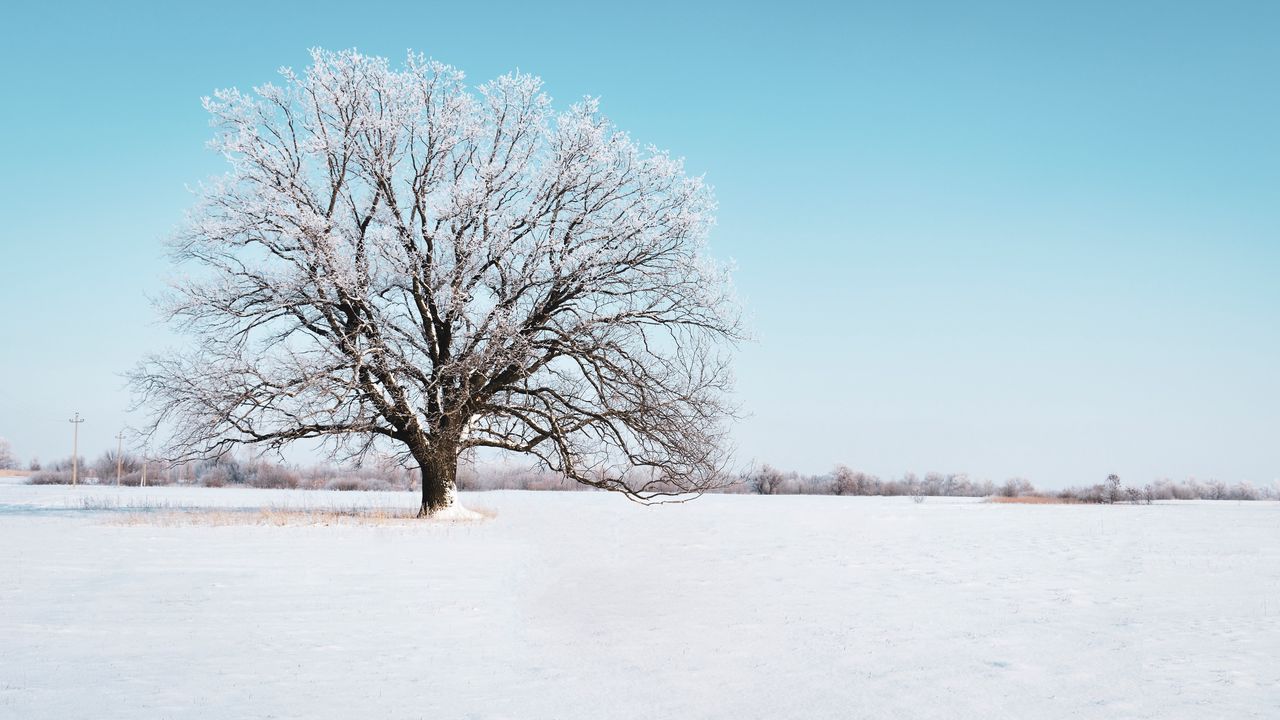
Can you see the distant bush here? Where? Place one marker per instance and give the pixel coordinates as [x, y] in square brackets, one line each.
[58, 472]
[1113, 491]
[1016, 487]
[275, 477]
[50, 477]
[768, 480]
[104, 468]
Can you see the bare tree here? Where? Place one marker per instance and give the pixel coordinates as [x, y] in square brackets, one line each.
[768, 480]
[7, 460]
[845, 481]
[1112, 492]
[108, 462]
[1016, 487]
[396, 258]
[1139, 496]
[1214, 490]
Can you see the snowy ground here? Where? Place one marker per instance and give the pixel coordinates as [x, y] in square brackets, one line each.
[582, 605]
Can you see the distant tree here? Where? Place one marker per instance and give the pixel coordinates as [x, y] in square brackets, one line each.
[844, 481]
[7, 460]
[1111, 490]
[1215, 490]
[105, 466]
[768, 480]
[34, 465]
[397, 259]
[1244, 491]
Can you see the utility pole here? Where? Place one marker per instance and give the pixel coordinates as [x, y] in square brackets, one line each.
[75, 447]
[144, 467]
[119, 455]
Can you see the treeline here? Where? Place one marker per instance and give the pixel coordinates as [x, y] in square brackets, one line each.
[227, 471]
[767, 480]
[231, 471]
[387, 474]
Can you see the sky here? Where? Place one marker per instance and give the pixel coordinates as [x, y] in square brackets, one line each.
[1002, 238]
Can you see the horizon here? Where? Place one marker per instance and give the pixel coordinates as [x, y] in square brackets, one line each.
[959, 253]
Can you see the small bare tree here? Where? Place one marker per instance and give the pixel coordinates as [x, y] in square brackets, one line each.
[1136, 496]
[1112, 492]
[7, 460]
[396, 258]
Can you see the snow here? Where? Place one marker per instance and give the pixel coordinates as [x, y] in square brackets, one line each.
[583, 605]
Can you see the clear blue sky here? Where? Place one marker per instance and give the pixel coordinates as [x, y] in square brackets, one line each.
[983, 237]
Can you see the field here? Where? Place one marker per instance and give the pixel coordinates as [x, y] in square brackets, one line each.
[122, 603]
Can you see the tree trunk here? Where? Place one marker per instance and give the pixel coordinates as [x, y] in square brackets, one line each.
[439, 467]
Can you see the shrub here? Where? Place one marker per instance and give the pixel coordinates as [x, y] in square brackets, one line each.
[273, 477]
[1016, 487]
[50, 477]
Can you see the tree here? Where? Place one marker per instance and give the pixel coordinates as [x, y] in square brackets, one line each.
[845, 481]
[396, 259]
[7, 460]
[1111, 491]
[1016, 487]
[768, 480]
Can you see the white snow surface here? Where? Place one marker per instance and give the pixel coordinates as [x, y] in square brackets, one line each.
[583, 605]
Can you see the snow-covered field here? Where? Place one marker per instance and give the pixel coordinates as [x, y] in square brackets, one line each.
[582, 605]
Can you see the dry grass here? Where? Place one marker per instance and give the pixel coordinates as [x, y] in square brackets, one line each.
[286, 517]
[14, 473]
[1033, 500]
